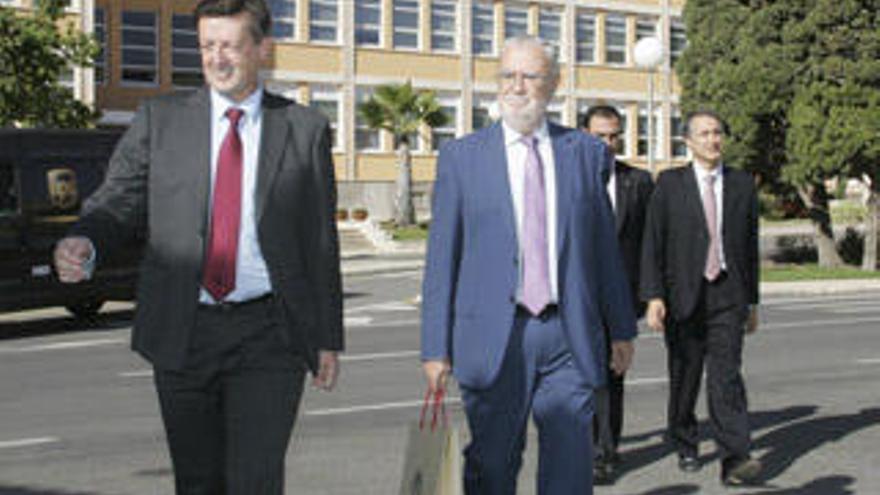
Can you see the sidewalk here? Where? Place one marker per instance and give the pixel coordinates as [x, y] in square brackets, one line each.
[386, 256]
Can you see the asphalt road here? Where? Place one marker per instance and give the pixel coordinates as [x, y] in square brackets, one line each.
[78, 414]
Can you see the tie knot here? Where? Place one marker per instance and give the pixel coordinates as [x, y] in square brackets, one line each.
[234, 115]
[531, 141]
[710, 179]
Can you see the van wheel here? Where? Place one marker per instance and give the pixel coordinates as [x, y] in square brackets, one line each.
[85, 309]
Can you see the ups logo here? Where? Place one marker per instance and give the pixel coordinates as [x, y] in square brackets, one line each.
[62, 188]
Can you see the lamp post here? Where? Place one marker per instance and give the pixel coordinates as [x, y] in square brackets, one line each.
[648, 54]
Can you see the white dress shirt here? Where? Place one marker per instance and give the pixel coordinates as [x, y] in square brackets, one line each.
[701, 173]
[612, 186]
[517, 152]
[251, 274]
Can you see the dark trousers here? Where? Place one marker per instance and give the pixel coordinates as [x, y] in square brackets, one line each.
[712, 336]
[538, 375]
[608, 421]
[229, 413]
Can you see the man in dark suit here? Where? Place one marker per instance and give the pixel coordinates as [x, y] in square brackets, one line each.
[629, 190]
[523, 271]
[700, 278]
[239, 293]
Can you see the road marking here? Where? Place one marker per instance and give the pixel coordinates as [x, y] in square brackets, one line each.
[378, 356]
[810, 300]
[358, 321]
[137, 374]
[647, 381]
[854, 310]
[58, 346]
[27, 442]
[389, 306]
[375, 407]
[868, 361]
[388, 324]
[816, 323]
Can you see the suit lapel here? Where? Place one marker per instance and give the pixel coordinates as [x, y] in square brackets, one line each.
[197, 119]
[563, 158]
[621, 190]
[691, 192]
[272, 140]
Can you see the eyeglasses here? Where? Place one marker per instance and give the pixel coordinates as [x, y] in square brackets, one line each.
[509, 77]
[225, 48]
[709, 133]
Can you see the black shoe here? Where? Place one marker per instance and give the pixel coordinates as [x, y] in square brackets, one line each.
[603, 473]
[688, 463]
[744, 472]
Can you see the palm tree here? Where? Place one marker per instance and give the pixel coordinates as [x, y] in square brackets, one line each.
[402, 110]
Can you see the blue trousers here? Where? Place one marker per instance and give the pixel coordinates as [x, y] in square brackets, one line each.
[538, 376]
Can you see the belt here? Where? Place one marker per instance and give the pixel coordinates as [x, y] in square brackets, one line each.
[227, 306]
[548, 312]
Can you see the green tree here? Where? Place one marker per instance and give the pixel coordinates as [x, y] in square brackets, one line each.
[35, 50]
[781, 73]
[402, 111]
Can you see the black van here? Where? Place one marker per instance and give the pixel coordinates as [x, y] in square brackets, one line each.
[44, 177]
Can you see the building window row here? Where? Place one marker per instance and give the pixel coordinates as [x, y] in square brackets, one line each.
[139, 48]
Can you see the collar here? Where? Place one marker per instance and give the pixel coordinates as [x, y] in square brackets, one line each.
[252, 105]
[702, 173]
[511, 136]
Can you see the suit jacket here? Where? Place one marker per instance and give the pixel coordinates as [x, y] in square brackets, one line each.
[633, 187]
[472, 274]
[158, 184]
[677, 240]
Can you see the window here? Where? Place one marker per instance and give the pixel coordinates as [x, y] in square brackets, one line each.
[642, 145]
[139, 47]
[447, 132]
[615, 39]
[283, 18]
[550, 27]
[322, 20]
[367, 22]
[483, 28]
[101, 38]
[443, 25]
[326, 100]
[365, 139]
[646, 28]
[679, 148]
[516, 20]
[186, 62]
[406, 23]
[677, 41]
[585, 34]
[482, 111]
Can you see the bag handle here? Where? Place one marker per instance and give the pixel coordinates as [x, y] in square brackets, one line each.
[438, 409]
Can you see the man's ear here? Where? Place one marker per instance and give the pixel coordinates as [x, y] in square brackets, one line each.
[265, 48]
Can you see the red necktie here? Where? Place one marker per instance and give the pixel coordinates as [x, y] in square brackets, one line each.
[219, 269]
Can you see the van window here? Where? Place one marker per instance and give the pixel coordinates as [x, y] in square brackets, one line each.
[8, 191]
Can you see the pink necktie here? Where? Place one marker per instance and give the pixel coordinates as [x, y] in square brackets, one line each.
[219, 269]
[536, 280]
[713, 257]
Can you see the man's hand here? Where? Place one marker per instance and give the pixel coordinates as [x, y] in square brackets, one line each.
[436, 372]
[752, 320]
[621, 355]
[328, 370]
[656, 315]
[71, 256]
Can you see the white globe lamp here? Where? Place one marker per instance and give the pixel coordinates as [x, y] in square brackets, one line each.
[648, 54]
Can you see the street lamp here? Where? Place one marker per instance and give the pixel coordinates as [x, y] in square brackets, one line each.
[648, 54]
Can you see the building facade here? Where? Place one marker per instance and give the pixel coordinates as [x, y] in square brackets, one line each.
[331, 54]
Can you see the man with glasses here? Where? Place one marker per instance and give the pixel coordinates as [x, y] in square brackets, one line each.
[239, 293]
[700, 279]
[522, 273]
[629, 190]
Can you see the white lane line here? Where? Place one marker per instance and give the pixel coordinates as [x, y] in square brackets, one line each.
[389, 306]
[810, 300]
[374, 407]
[27, 442]
[816, 323]
[866, 305]
[868, 361]
[647, 381]
[357, 321]
[378, 356]
[855, 310]
[389, 324]
[58, 346]
[136, 374]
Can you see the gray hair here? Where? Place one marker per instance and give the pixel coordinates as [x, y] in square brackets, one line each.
[524, 40]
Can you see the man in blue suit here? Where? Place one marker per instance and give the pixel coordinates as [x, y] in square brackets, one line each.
[523, 271]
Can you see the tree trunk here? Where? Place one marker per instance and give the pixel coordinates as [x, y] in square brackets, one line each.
[872, 225]
[405, 212]
[815, 196]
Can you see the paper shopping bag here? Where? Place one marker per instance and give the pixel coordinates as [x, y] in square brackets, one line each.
[433, 463]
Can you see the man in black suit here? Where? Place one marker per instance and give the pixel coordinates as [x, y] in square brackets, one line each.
[700, 278]
[239, 294]
[629, 190]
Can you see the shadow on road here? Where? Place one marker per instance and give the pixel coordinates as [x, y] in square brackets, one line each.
[62, 323]
[829, 485]
[672, 490]
[24, 490]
